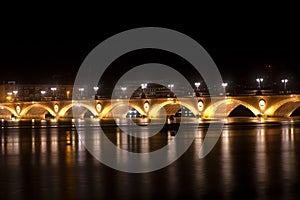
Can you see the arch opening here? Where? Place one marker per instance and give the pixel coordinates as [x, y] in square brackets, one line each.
[81, 112]
[184, 112]
[133, 113]
[121, 110]
[172, 108]
[241, 111]
[296, 113]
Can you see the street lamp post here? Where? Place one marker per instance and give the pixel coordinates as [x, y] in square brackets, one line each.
[224, 85]
[284, 81]
[144, 86]
[15, 93]
[171, 86]
[81, 91]
[43, 92]
[197, 84]
[124, 89]
[53, 91]
[259, 80]
[96, 88]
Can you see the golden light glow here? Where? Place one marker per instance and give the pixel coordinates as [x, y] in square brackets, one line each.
[68, 138]
[200, 105]
[262, 104]
[146, 106]
[98, 107]
[18, 109]
[56, 108]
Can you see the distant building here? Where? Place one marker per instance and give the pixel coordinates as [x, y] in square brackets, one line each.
[10, 92]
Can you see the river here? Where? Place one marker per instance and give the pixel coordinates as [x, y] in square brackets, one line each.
[249, 161]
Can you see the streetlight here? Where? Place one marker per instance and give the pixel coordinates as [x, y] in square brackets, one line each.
[284, 81]
[96, 88]
[81, 91]
[15, 93]
[144, 85]
[197, 84]
[224, 86]
[124, 89]
[259, 80]
[43, 92]
[171, 86]
[53, 90]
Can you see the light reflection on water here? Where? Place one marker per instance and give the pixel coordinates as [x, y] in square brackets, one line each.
[256, 161]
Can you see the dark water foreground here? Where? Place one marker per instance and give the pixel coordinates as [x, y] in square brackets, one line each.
[250, 161]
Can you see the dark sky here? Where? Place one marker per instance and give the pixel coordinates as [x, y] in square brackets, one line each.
[241, 52]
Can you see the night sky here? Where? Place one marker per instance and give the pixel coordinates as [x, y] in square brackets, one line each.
[242, 53]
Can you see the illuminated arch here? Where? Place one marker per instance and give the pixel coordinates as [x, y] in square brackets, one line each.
[156, 108]
[108, 109]
[11, 110]
[230, 104]
[24, 111]
[284, 107]
[66, 108]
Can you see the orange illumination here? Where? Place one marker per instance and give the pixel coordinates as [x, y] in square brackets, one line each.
[68, 138]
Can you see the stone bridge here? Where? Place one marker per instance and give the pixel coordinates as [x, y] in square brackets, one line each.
[204, 107]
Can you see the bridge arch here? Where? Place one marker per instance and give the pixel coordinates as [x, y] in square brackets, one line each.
[284, 108]
[122, 108]
[26, 110]
[11, 110]
[65, 109]
[157, 107]
[230, 105]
